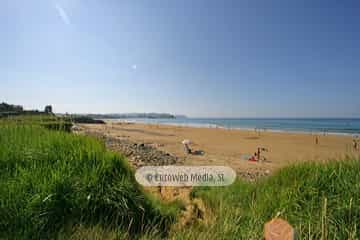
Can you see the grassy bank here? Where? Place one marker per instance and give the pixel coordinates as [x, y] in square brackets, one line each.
[53, 182]
[48, 121]
[322, 201]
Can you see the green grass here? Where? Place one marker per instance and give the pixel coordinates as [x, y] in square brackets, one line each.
[54, 184]
[322, 201]
[53, 181]
[48, 121]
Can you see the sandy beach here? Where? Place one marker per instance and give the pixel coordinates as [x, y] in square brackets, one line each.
[232, 147]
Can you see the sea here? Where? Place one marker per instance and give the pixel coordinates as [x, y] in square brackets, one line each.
[347, 126]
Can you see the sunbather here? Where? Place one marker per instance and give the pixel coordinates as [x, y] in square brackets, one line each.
[186, 146]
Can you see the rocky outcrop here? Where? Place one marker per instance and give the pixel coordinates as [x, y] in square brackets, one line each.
[141, 154]
[138, 154]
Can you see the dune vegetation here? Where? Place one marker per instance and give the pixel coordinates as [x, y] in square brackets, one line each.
[321, 201]
[54, 182]
[58, 185]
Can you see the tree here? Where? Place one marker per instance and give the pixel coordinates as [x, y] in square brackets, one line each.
[4, 107]
[48, 109]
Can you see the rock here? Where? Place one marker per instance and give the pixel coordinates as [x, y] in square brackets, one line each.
[278, 229]
[139, 154]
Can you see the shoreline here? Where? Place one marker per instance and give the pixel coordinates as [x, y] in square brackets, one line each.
[215, 126]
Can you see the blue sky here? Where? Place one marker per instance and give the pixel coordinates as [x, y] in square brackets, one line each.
[199, 58]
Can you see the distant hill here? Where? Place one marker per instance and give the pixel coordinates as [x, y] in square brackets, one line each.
[180, 116]
[129, 115]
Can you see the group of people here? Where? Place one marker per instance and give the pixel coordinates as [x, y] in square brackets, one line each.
[254, 158]
[257, 155]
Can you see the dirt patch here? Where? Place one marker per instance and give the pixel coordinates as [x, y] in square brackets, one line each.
[194, 208]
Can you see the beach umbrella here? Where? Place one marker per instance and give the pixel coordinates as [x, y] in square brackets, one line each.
[186, 141]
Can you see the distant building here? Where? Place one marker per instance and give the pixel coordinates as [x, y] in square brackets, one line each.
[48, 109]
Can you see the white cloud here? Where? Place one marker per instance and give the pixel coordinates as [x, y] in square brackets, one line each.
[62, 14]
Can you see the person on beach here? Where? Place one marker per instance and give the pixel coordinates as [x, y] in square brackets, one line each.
[355, 144]
[253, 158]
[317, 140]
[262, 149]
[186, 144]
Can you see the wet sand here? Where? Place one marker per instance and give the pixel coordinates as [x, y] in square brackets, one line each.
[232, 147]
